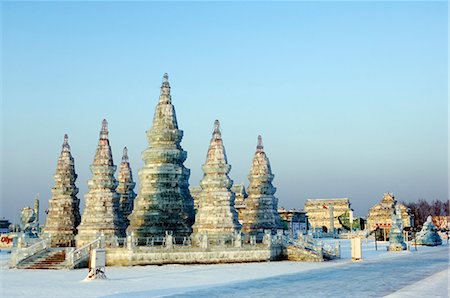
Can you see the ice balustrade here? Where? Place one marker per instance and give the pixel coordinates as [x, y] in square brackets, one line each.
[74, 257]
[170, 241]
[331, 251]
[318, 247]
[23, 251]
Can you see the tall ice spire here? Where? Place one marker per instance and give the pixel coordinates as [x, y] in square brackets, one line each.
[163, 202]
[104, 130]
[260, 212]
[101, 213]
[165, 90]
[260, 146]
[66, 146]
[63, 213]
[125, 155]
[216, 215]
[125, 187]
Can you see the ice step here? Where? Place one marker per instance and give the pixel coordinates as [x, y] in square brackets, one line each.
[50, 259]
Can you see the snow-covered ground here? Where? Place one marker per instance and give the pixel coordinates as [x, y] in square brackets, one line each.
[421, 273]
[436, 285]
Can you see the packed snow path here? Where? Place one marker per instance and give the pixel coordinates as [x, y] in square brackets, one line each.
[375, 278]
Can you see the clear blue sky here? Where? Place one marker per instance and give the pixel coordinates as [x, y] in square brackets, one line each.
[350, 97]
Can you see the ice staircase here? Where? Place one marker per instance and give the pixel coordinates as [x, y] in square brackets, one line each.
[50, 258]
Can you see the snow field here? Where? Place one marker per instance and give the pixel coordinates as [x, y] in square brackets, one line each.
[205, 280]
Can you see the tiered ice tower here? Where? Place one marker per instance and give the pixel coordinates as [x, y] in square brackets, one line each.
[260, 212]
[64, 207]
[101, 212]
[216, 215]
[164, 203]
[125, 187]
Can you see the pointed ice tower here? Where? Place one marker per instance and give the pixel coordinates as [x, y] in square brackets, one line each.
[429, 234]
[163, 202]
[216, 215]
[101, 212]
[64, 207]
[396, 238]
[260, 212]
[125, 187]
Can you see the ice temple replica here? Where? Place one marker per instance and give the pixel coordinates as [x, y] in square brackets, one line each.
[428, 235]
[323, 214]
[380, 215]
[161, 224]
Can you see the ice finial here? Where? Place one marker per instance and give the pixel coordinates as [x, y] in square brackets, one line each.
[216, 132]
[104, 130]
[165, 89]
[125, 155]
[260, 146]
[65, 146]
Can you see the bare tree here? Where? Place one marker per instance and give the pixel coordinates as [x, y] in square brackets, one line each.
[421, 209]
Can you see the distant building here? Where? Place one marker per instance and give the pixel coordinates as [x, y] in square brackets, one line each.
[294, 221]
[4, 226]
[323, 214]
[380, 216]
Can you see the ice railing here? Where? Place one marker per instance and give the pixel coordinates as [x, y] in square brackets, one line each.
[331, 251]
[74, 257]
[203, 241]
[21, 253]
[306, 242]
[153, 241]
[318, 247]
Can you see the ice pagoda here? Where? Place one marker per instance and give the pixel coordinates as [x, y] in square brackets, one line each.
[428, 235]
[125, 187]
[260, 212]
[101, 215]
[64, 207]
[164, 203]
[216, 216]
